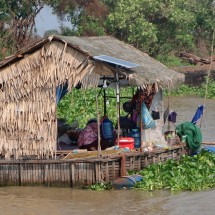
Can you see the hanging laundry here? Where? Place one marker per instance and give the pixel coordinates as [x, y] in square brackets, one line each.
[157, 105]
[147, 119]
[172, 116]
[155, 115]
[198, 114]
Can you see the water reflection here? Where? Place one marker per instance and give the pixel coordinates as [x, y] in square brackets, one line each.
[61, 201]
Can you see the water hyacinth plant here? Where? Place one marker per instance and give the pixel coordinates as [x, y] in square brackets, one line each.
[190, 173]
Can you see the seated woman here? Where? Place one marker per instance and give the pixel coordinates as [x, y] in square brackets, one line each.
[88, 138]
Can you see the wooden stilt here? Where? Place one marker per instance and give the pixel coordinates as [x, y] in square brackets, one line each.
[141, 124]
[98, 122]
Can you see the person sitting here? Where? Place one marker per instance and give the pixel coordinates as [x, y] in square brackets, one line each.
[88, 137]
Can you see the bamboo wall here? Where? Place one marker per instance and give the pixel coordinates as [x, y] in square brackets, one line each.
[28, 97]
[80, 172]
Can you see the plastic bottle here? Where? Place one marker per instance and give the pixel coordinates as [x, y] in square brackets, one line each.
[136, 135]
[107, 129]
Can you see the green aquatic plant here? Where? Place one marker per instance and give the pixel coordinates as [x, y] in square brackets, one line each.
[190, 173]
[80, 104]
[100, 186]
[205, 90]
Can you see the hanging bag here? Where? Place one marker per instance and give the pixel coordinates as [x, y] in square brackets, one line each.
[147, 119]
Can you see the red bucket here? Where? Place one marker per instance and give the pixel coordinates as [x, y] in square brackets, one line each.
[126, 142]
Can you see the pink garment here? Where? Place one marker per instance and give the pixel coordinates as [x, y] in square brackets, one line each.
[134, 116]
[88, 135]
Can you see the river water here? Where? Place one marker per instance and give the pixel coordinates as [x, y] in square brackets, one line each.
[65, 201]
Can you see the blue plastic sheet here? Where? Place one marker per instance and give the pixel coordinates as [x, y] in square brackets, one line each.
[61, 91]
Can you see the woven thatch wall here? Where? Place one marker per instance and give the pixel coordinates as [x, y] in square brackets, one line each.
[28, 101]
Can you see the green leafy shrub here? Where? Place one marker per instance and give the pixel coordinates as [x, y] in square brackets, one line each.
[171, 60]
[100, 186]
[200, 91]
[80, 105]
[190, 173]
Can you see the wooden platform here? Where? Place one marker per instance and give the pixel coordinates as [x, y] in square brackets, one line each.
[80, 171]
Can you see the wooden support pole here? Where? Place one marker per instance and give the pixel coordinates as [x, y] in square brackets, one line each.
[141, 123]
[98, 123]
[118, 107]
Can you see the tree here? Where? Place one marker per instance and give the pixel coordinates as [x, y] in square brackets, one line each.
[86, 16]
[18, 18]
[161, 26]
[51, 32]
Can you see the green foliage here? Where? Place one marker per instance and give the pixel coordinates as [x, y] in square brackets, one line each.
[154, 26]
[127, 21]
[200, 91]
[171, 60]
[190, 173]
[100, 186]
[158, 26]
[51, 32]
[80, 105]
[86, 17]
[93, 27]
[185, 90]
[210, 89]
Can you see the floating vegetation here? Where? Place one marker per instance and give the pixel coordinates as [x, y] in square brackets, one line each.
[190, 173]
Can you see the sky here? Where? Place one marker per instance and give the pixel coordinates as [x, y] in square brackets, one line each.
[45, 20]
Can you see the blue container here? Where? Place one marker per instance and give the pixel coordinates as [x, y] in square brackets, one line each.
[124, 182]
[136, 135]
[107, 129]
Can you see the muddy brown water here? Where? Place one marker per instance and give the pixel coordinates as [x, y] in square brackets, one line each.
[65, 201]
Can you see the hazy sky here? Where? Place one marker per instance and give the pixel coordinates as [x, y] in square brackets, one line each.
[45, 20]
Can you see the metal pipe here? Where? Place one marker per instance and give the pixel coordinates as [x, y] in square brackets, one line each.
[118, 106]
[105, 104]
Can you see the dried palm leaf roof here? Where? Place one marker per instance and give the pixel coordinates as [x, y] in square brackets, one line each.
[149, 71]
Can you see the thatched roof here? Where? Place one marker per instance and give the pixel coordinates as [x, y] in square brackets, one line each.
[149, 71]
[29, 78]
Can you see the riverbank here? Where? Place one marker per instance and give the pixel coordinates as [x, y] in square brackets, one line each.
[195, 75]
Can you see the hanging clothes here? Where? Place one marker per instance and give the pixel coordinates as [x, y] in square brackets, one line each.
[172, 116]
[147, 119]
[145, 95]
[198, 114]
[157, 105]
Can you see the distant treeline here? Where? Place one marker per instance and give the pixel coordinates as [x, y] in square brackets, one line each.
[159, 27]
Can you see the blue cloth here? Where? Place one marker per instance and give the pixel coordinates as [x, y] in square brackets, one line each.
[61, 91]
[210, 148]
[198, 114]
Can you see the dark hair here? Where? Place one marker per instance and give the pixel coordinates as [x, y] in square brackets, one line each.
[91, 120]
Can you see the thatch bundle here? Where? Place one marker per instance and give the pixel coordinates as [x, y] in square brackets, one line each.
[28, 82]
